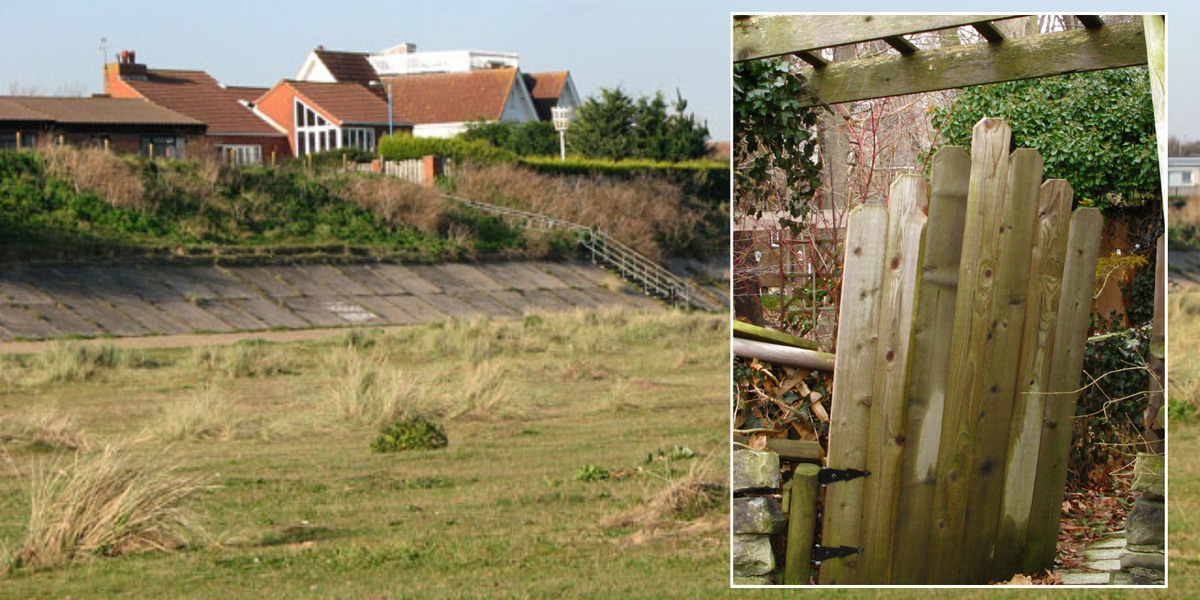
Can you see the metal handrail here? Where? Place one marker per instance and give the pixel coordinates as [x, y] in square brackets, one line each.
[653, 278]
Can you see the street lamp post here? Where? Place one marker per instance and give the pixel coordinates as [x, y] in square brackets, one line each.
[562, 121]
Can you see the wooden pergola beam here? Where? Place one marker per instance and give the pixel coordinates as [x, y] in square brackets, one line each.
[1090, 21]
[1045, 55]
[811, 59]
[989, 32]
[775, 35]
[899, 43]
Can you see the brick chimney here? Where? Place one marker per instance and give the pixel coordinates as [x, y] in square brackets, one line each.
[126, 66]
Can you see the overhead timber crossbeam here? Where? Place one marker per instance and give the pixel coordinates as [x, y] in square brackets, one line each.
[1095, 47]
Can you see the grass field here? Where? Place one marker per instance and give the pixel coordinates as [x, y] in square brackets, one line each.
[297, 505]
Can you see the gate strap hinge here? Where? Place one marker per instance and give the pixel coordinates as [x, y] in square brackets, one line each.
[821, 553]
[828, 476]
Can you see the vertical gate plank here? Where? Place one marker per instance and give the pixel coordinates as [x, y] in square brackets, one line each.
[1070, 340]
[992, 400]
[1041, 317]
[949, 180]
[853, 382]
[802, 525]
[908, 204]
[985, 203]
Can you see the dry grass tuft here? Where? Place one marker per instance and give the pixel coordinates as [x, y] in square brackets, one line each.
[108, 503]
[485, 393]
[369, 391]
[397, 202]
[640, 213]
[75, 361]
[247, 358]
[682, 499]
[204, 416]
[49, 429]
[101, 172]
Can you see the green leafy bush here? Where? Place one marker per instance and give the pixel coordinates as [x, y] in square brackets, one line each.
[535, 138]
[407, 147]
[593, 473]
[411, 433]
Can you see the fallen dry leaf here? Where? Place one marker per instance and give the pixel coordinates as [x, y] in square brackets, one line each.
[1019, 579]
[758, 442]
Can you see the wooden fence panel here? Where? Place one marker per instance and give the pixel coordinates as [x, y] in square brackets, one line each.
[1070, 340]
[853, 383]
[1041, 319]
[908, 205]
[996, 389]
[985, 204]
[949, 181]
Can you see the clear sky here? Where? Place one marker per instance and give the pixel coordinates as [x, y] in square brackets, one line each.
[643, 46]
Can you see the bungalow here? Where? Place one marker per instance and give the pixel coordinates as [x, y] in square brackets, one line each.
[1183, 175]
[233, 127]
[121, 124]
[441, 92]
[324, 116]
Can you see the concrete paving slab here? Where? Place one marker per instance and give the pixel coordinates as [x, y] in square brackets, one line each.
[14, 289]
[487, 305]
[576, 298]
[453, 307]
[221, 282]
[512, 276]
[407, 279]
[180, 280]
[64, 320]
[315, 311]
[564, 272]
[353, 312]
[265, 281]
[386, 310]
[240, 320]
[1080, 578]
[195, 318]
[366, 277]
[513, 301]
[604, 297]
[330, 278]
[1105, 565]
[143, 283]
[589, 272]
[447, 280]
[299, 280]
[543, 278]
[1104, 553]
[147, 315]
[96, 281]
[103, 315]
[270, 313]
[418, 307]
[6, 335]
[20, 322]
[472, 276]
[545, 301]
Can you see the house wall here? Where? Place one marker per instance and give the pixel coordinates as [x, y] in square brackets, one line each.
[439, 130]
[1178, 182]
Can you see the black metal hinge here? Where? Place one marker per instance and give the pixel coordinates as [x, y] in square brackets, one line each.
[821, 553]
[828, 476]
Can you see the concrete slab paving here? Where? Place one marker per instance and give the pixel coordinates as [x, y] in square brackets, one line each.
[316, 311]
[182, 281]
[103, 315]
[301, 281]
[64, 319]
[194, 317]
[15, 290]
[330, 278]
[142, 283]
[565, 273]
[474, 277]
[447, 280]
[421, 310]
[147, 315]
[230, 314]
[513, 301]
[386, 310]
[221, 282]
[1084, 578]
[266, 282]
[453, 307]
[20, 322]
[1104, 553]
[366, 277]
[271, 313]
[487, 305]
[545, 300]
[576, 298]
[407, 279]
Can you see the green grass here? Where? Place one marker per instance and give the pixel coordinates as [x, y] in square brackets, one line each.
[303, 508]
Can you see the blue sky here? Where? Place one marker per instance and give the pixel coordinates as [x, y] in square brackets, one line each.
[52, 45]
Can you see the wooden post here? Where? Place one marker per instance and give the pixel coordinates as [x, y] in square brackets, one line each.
[862, 284]
[272, 158]
[992, 398]
[949, 180]
[802, 524]
[976, 276]
[106, 144]
[908, 203]
[18, 140]
[1041, 319]
[1070, 341]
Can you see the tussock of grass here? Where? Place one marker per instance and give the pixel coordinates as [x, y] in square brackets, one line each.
[50, 429]
[108, 503]
[485, 393]
[369, 391]
[248, 358]
[681, 499]
[203, 416]
[73, 361]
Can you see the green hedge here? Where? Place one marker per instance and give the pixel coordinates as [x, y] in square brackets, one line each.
[407, 147]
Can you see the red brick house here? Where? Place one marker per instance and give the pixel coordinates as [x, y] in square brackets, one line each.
[123, 125]
[233, 127]
[325, 116]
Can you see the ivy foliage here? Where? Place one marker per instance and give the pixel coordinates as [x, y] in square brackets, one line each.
[1096, 130]
[617, 126]
[777, 136]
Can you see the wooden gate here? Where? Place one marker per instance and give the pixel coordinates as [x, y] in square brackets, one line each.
[958, 363]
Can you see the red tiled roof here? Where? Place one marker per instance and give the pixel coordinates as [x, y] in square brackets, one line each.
[545, 89]
[197, 95]
[108, 111]
[452, 97]
[247, 93]
[348, 66]
[345, 102]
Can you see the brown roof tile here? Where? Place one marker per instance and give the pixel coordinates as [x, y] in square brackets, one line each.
[115, 111]
[452, 97]
[545, 89]
[346, 102]
[197, 95]
[246, 93]
[348, 66]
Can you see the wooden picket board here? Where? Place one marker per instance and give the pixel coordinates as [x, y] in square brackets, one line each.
[1070, 340]
[908, 204]
[853, 385]
[985, 204]
[992, 399]
[1041, 317]
[949, 180]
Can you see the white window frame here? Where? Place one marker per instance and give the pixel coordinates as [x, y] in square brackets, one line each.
[243, 154]
[362, 138]
[315, 135]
